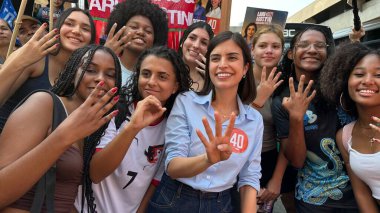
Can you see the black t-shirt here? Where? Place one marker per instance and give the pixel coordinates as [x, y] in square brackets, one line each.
[323, 179]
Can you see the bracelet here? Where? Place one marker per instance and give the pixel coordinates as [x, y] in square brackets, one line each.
[256, 106]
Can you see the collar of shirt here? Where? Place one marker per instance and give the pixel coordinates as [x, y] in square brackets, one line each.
[243, 114]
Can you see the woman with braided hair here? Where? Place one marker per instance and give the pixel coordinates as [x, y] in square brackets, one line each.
[83, 94]
[128, 156]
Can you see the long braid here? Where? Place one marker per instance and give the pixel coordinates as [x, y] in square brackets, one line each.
[92, 141]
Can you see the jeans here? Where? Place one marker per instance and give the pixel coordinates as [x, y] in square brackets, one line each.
[173, 196]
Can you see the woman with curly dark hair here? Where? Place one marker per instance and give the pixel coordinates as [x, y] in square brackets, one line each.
[128, 156]
[134, 26]
[306, 126]
[355, 73]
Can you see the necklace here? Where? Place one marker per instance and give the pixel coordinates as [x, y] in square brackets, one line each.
[226, 116]
[365, 131]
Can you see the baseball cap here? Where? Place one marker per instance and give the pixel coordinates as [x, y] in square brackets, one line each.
[26, 17]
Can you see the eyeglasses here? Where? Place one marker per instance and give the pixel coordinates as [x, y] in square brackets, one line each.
[319, 46]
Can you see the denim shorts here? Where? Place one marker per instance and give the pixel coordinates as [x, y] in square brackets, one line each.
[173, 196]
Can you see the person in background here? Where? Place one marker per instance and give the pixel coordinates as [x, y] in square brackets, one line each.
[213, 9]
[28, 28]
[192, 48]
[127, 150]
[134, 26]
[37, 64]
[5, 39]
[83, 101]
[267, 48]
[306, 127]
[356, 73]
[199, 12]
[200, 172]
[249, 32]
[44, 12]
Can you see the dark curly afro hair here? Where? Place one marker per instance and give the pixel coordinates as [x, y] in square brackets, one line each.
[128, 9]
[334, 76]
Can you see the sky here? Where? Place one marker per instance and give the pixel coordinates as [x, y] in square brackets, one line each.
[239, 7]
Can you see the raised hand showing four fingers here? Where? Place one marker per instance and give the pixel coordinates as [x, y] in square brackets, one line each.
[267, 86]
[40, 45]
[91, 115]
[117, 42]
[217, 146]
[299, 100]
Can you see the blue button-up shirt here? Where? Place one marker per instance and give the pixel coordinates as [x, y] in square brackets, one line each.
[182, 141]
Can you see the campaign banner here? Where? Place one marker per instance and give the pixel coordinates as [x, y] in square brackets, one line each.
[100, 10]
[209, 11]
[261, 16]
[180, 15]
[8, 12]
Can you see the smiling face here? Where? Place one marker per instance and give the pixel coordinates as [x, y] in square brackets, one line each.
[196, 43]
[267, 51]
[250, 31]
[308, 59]
[364, 81]
[75, 31]
[142, 33]
[101, 68]
[157, 77]
[227, 65]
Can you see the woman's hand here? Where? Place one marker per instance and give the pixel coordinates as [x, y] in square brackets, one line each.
[375, 127]
[267, 86]
[90, 115]
[147, 111]
[299, 100]
[271, 192]
[217, 146]
[201, 68]
[40, 45]
[117, 42]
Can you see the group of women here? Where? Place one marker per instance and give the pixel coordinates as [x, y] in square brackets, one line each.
[188, 126]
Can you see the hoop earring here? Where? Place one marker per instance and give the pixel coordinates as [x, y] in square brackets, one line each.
[341, 103]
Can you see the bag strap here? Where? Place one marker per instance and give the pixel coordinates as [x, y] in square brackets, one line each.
[45, 187]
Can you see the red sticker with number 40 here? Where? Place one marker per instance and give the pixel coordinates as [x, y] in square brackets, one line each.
[238, 141]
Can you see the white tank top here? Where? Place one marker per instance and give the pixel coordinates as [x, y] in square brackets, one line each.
[365, 166]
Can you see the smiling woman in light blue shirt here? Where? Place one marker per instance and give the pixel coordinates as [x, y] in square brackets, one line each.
[214, 136]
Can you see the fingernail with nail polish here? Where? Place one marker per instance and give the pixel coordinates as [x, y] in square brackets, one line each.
[113, 90]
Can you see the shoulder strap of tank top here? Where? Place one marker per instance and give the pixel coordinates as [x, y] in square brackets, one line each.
[45, 187]
[346, 134]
